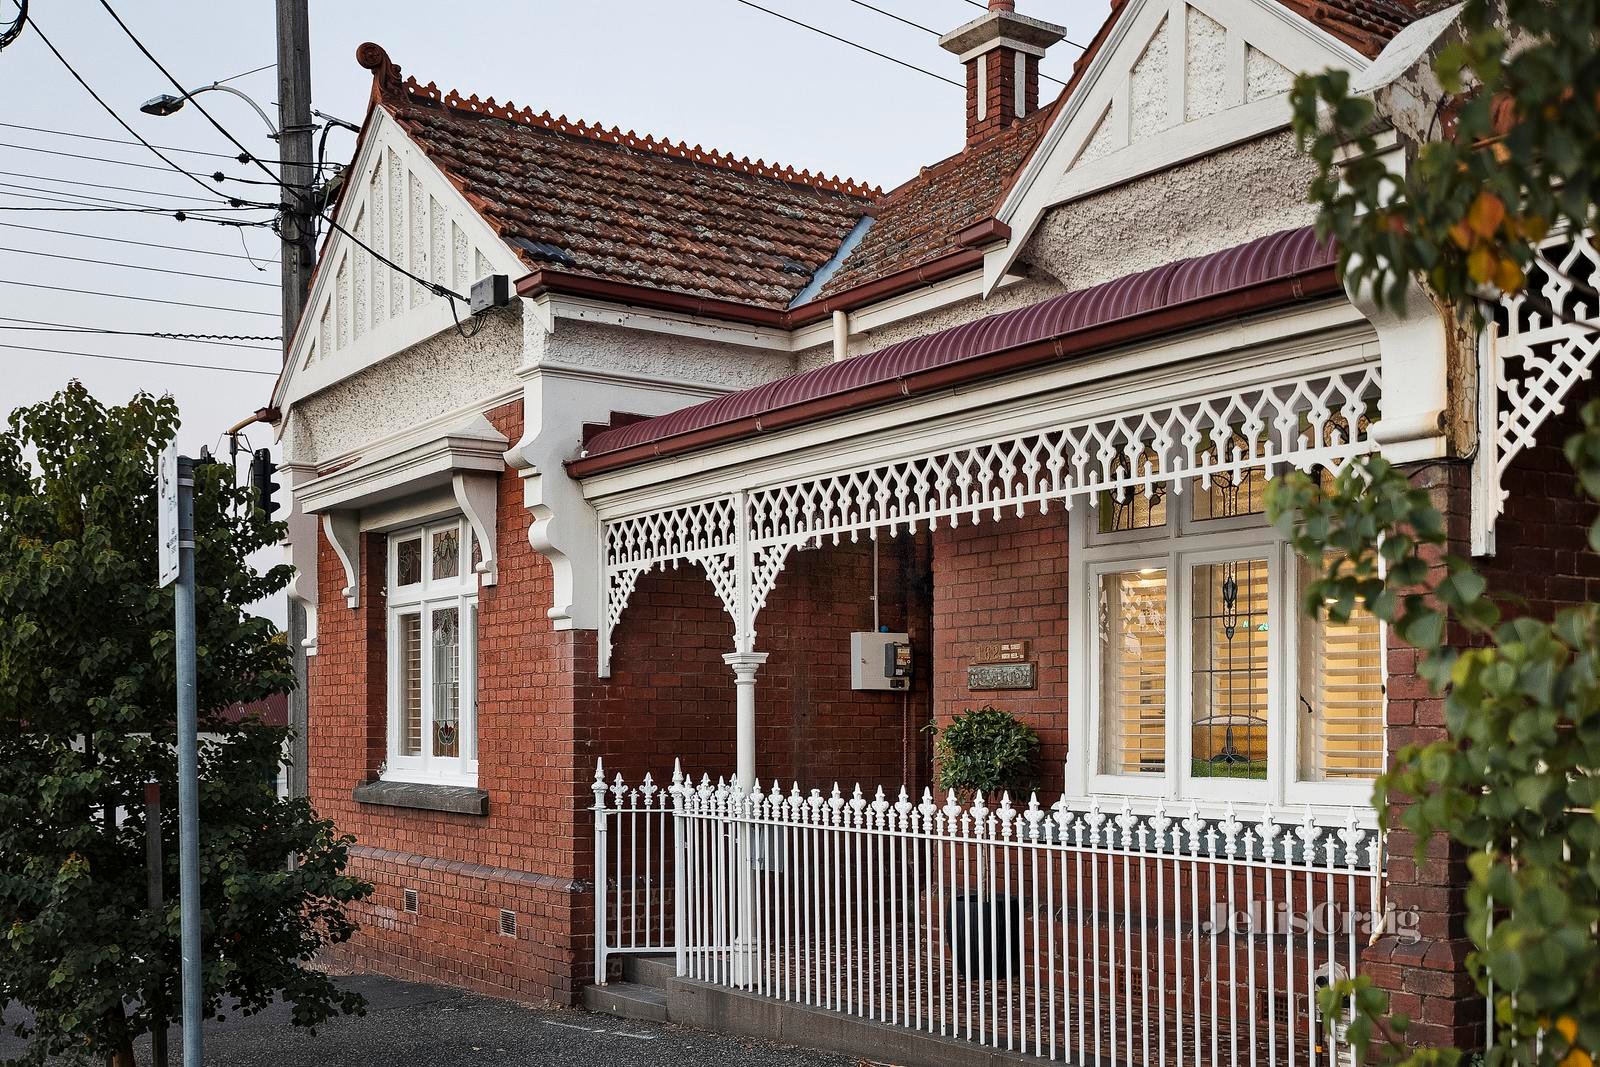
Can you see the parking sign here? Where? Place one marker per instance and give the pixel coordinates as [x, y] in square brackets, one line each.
[167, 518]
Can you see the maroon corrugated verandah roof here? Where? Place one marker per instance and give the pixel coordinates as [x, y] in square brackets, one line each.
[1272, 271]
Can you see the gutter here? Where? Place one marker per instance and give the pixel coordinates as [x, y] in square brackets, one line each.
[1208, 310]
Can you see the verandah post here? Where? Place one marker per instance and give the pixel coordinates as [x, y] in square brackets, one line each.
[600, 816]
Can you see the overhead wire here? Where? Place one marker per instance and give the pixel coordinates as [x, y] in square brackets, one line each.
[845, 41]
[140, 299]
[216, 175]
[102, 185]
[141, 244]
[143, 359]
[221, 340]
[55, 196]
[117, 140]
[929, 29]
[112, 111]
[139, 267]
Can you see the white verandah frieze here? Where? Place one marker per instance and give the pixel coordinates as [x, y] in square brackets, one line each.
[1319, 417]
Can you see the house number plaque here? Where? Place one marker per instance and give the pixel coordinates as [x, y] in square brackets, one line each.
[1001, 652]
[1000, 676]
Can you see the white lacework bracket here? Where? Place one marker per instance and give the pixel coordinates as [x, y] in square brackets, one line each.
[1529, 363]
[1318, 418]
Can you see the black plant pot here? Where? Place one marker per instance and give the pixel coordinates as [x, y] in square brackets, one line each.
[980, 947]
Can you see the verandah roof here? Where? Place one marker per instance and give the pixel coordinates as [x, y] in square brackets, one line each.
[1273, 271]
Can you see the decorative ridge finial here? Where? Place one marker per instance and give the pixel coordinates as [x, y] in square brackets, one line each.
[385, 72]
[1002, 5]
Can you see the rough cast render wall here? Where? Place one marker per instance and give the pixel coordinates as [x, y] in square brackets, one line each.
[442, 374]
[1005, 580]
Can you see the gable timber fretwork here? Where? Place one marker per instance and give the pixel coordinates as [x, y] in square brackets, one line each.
[742, 539]
[1543, 342]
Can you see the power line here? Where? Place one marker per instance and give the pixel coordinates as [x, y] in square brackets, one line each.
[118, 140]
[220, 340]
[185, 94]
[845, 41]
[54, 196]
[141, 244]
[140, 299]
[91, 185]
[1065, 40]
[142, 359]
[139, 266]
[216, 176]
[246, 74]
[929, 29]
[112, 111]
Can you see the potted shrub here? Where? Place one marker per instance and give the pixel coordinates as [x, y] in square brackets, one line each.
[985, 751]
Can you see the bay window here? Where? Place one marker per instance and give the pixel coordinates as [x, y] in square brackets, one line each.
[1204, 680]
[432, 622]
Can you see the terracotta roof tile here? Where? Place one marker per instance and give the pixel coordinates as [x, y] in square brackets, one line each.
[618, 206]
[920, 220]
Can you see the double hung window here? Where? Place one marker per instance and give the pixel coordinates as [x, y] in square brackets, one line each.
[433, 625]
[1207, 682]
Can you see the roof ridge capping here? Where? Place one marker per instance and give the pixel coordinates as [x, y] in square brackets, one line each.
[387, 84]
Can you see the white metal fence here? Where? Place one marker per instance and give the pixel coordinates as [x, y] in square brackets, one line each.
[1071, 932]
[633, 869]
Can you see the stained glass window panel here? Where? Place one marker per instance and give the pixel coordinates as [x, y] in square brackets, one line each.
[408, 561]
[1133, 671]
[1229, 670]
[446, 553]
[446, 646]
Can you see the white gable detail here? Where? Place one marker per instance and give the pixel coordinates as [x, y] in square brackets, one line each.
[1174, 80]
[360, 310]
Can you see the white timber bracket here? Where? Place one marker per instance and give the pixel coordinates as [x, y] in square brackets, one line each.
[1413, 350]
[300, 547]
[1542, 343]
[343, 531]
[478, 496]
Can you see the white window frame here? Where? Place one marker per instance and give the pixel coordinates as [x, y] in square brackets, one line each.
[422, 599]
[1179, 546]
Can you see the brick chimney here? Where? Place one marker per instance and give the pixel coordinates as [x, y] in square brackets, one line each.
[1001, 51]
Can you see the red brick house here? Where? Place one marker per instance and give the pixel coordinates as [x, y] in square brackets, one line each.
[1019, 410]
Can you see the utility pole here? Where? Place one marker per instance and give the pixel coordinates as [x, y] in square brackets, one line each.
[294, 148]
[299, 256]
[188, 765]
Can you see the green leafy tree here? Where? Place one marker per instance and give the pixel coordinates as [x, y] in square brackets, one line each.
[1513, 153]
[985, 751]
[1503, 150]
[87, 718]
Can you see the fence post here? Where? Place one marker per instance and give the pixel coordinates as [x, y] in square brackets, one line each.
[600, 817]
[680, 910]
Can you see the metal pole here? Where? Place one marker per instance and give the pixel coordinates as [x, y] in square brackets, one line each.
[152, 861]
[299, 251]
[188, 771]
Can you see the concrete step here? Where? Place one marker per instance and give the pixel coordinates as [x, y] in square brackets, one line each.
[656, 972]
[627, 1000]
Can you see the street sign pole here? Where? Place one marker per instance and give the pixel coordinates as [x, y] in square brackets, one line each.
[182, 501]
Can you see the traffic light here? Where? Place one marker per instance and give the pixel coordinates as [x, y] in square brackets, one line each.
[262, 473]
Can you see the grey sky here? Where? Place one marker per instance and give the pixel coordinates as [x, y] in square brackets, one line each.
[713, 72]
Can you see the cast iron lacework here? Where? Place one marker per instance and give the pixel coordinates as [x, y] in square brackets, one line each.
[1537, 358]
[1302, 421]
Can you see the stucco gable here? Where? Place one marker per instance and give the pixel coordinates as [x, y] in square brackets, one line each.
[1173, 81]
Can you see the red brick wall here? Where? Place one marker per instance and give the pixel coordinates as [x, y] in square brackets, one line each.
[671, 695]
[1005, 580]
[531, 847]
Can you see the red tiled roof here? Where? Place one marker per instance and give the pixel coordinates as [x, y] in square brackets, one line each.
[1365, 25]
[920, 220]
[1270, 271]
[614, 205]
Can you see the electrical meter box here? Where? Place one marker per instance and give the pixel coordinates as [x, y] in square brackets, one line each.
[880, 661]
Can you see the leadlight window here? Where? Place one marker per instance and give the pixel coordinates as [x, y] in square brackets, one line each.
[1206, 681]
[433, 612]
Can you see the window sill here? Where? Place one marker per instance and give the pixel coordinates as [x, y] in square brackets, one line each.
[459, 799]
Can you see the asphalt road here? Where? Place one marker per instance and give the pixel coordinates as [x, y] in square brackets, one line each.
[409, 1025]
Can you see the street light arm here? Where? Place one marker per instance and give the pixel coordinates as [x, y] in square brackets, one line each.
[219, 87]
